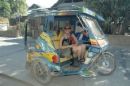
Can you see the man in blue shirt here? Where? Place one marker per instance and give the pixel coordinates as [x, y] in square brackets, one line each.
[84, 37]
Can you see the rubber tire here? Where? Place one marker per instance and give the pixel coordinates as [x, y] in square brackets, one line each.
[113, 61]
[44, 67]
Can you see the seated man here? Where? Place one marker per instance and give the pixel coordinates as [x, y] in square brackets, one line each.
[78, 30]
[81, 34]
[84, 38]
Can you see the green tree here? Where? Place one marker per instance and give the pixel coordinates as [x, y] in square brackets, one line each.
[13, 8]
[18, 7]
[4, 8]
[21, 7]
[111, 10]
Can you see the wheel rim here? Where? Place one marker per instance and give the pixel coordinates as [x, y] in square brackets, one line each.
[41, 72]
[106, 64]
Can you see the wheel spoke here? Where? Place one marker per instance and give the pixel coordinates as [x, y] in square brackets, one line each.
[106, 63]
[41, 72]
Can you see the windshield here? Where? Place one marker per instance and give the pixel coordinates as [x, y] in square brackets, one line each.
[93, 25]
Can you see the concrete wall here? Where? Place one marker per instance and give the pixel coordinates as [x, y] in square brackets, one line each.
[11, 32]
[119, 40]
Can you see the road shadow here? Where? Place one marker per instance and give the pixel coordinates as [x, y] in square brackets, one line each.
[6, 80]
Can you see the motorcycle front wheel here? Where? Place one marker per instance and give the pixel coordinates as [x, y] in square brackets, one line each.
[106, 64]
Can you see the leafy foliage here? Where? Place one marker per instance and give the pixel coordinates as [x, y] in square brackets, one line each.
[4, 8]
[13, 8]
[109, 8]
[112, 10]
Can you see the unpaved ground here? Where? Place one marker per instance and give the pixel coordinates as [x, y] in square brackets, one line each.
[12, 63]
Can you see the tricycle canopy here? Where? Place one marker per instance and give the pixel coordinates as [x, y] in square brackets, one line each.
[49, 20]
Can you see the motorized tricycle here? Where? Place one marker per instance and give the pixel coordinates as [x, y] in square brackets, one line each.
[44, 56]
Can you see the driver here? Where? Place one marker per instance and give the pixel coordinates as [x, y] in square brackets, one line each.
[84, 37]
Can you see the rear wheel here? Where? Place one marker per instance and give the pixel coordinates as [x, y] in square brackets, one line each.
[106, 63]
[40, 71]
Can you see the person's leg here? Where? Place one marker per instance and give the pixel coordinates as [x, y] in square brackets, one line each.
[77, 51]
[76, 55]
[82, 51]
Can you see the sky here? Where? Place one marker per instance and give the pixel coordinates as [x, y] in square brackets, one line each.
[42, 3]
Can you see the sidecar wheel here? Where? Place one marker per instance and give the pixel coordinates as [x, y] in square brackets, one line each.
[40, 72]
[106, 64]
